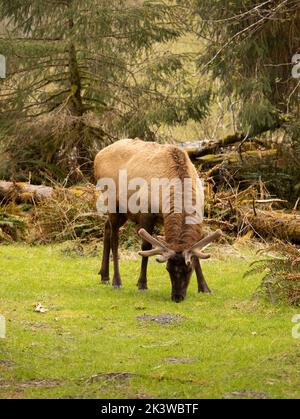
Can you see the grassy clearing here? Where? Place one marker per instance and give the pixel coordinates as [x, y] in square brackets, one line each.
[228, 345]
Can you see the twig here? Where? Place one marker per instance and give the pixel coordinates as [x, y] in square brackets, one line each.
[270, 201]
[296, 205]
[253, 206]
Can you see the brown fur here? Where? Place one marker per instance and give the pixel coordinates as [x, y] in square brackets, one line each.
[151, 160]
[179, 235]
[148, 160]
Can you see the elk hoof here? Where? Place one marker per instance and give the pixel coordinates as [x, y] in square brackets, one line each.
[105, 281]
[142, 285]
[205, 291]
[117, 287]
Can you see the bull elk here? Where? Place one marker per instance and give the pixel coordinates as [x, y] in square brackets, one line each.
[182, 246]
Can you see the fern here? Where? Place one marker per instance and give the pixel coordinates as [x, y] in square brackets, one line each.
[281, 281]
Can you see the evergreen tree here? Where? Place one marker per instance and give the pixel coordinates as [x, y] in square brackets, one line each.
[249, 47]
[83, 71]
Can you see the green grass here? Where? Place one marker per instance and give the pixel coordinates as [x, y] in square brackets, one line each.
[239, 346]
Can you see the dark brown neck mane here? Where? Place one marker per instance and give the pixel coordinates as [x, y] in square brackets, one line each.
[179, 235]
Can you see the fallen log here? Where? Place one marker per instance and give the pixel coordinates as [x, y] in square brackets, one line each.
[263, 138]
[266, 225]
[273, 224]
[211, 160]
[213, 147]
[251, 210]
[21, 192]
[24, 192]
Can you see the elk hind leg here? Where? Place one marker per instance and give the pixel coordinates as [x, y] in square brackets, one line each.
[104, 271]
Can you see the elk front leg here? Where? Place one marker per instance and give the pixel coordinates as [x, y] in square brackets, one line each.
[142, 282]
[202, 285]
[116, 222]
[147, 222]
[104, 271]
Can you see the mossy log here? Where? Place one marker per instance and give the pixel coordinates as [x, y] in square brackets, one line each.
[273, 224]
[20, 192]
[211, 160]
[24, 192]
[214, 147]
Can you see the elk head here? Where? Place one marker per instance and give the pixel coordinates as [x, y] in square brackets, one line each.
[179, 265]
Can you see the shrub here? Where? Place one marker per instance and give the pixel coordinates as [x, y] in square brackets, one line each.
[12, 227]
[281, 280]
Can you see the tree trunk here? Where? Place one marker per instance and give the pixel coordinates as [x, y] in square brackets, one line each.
[79, 157]
[75, 102]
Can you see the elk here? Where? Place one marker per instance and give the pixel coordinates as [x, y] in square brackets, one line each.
[182, 246]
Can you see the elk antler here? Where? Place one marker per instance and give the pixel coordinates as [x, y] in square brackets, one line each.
[159, 247]
[196, 249]
[162, 240]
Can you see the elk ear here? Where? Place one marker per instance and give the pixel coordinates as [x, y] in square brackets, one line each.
[189, 254]
[188, 257]
[162, 258]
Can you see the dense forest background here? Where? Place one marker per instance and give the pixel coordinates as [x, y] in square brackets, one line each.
[219, 77]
